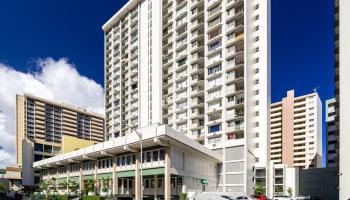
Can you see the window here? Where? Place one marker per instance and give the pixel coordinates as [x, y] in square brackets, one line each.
[214, 128]
[214, 82]
[256, 60]
[256, 49]
[148, 156]
[119, 161]
[213, 70]
[182, 62]
[256, 28]
[38, 147]
[37, 157]
[161, 154]
[155, 155]
[47, 148]
[256, 17]
[256, 7]
[128, 160]
[256, 38]
[214, 46]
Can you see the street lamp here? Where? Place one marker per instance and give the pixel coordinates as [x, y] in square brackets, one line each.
[141, 169]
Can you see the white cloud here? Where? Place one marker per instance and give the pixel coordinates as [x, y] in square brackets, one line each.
[55, 80]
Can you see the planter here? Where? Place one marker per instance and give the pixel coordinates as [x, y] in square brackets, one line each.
[91, 193]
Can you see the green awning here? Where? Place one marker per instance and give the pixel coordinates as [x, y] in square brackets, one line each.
[62, 180]
[74, 178]
[145, 172]
[85, 177]
[105, 175]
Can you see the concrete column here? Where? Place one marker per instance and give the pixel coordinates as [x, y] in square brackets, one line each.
[68, 170]
[155, 186]
[137, 178]
[114, 177]
[167, 177]
[95, 175]
[81, 181]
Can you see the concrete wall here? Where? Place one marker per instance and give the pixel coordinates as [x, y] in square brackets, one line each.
[194, 168]
[27, 162]
[19, 127]
[344, 97]
[70, 143]
[319, 182]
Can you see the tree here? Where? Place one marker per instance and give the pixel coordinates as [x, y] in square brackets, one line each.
[44, 185]
[182, 196]
[73, 186]
[2, 187]
[258, 189]
[105, 185]
[53, 184]
[290, 191]
[63, 185]
[90, 184]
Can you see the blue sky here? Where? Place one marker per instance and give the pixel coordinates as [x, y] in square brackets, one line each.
[302, 39]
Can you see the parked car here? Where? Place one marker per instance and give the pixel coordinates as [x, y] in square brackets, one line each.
[260, 197]
[211, 196]
[282, 197]
[245, 198]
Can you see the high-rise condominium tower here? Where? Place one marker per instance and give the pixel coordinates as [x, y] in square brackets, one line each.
[332, 135]
[201, 67]
[296, 131]
[46, 128]
[342, 95]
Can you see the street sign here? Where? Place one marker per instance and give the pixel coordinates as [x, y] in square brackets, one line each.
[204, 181]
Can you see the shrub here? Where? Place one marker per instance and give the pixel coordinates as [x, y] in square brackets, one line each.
[90, 184]
[182, 196]
[57, 197]
[290, 191]
[2, 187]
[258, 189]
[92, 198]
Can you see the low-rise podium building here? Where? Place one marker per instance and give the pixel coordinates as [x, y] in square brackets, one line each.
[171, 163]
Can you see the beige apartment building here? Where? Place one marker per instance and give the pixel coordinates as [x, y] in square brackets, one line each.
[47, 128]
[296, 131]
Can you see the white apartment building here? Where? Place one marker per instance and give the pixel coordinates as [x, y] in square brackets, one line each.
[332, 135]
[342, 95]
[203, 68]
[296, 131]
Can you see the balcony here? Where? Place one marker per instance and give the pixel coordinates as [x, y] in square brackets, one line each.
[233, 90]
[197, 91]
[239, 102]
[213, 3]
[235, 39]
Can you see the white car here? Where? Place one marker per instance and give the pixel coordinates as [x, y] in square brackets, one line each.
[245, 198]
[282, 197]
[213, 196]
